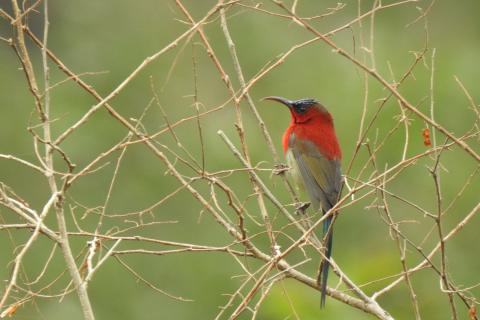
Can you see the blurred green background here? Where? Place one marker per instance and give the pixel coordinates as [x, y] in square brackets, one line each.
[116, 36]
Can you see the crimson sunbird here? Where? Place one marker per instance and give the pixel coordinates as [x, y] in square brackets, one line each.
[313, 155]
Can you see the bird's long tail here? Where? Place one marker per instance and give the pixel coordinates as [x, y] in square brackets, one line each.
[324, 266]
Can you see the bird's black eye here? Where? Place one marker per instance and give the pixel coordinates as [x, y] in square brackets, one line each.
[301, 109]
[302, 106]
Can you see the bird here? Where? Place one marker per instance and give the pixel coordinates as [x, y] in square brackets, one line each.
[314, 156]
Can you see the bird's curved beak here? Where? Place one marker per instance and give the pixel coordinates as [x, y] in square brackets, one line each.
[283, 101]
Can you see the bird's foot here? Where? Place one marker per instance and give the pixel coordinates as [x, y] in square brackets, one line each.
[302, 207]
[280, 168]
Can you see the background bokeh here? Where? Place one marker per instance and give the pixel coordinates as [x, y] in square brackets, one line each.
[114, 37]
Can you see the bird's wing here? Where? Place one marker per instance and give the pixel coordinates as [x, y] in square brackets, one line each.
[321, 176]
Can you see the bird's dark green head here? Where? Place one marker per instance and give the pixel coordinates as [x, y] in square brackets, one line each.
[303, 105]
[300, 107]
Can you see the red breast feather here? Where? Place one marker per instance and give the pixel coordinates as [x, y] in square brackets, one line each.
[316, 126]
